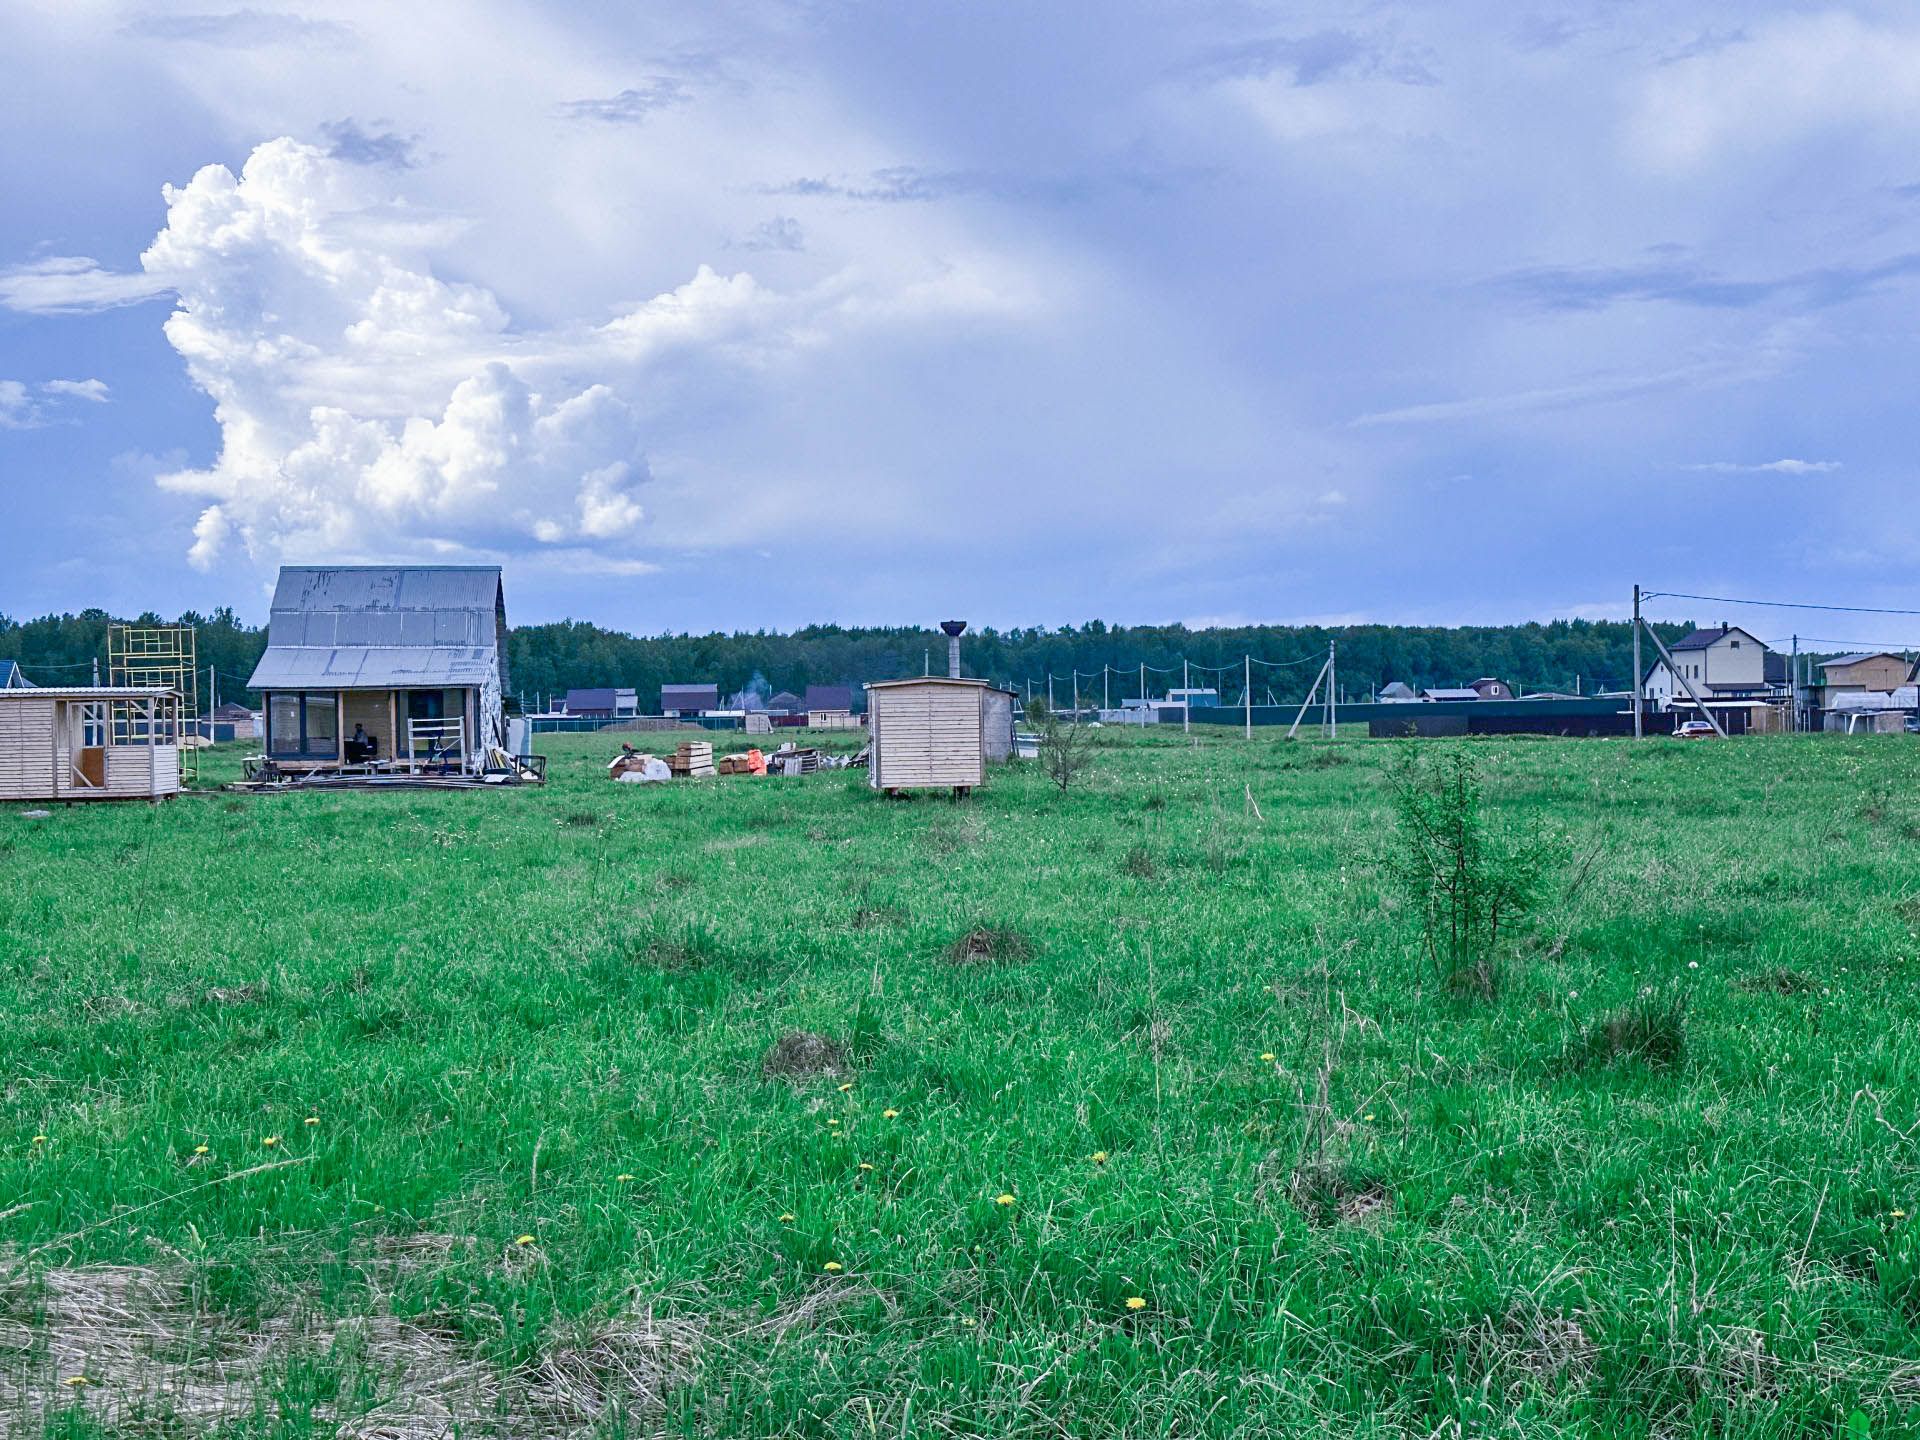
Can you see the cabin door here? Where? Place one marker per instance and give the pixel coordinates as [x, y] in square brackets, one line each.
[86, 736]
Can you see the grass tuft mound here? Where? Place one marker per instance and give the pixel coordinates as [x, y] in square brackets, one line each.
[800, 1053]
[1776, 980]
[990, 945]
[1329, 1192]
[1652, 1029]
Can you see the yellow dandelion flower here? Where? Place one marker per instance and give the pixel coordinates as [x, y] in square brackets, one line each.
[270, 1141]
[1268, 1056]
[313, 1119]
[1003, 1199]
[787, 1219]
[75, 1380]
[833, 1120]
[623, 1178]
[523, 1239]
[39, 1139]
[865, 1166]
[199, 1149]
[1136, 1302]
[1367, 1116]
[889, 1114]
[968, 1321]
[832, 1267]
[846, 1087]
[1898, 1214]
[1099, 1157]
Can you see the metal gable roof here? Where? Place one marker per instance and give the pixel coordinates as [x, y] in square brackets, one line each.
[374, 627]
[386, 605]
[372, 667]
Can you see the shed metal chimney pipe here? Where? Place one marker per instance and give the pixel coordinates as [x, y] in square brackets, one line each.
[954, 629]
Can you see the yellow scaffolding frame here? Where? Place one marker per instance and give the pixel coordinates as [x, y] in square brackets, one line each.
[162, 655]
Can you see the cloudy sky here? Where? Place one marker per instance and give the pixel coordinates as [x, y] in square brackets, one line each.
[737, 315]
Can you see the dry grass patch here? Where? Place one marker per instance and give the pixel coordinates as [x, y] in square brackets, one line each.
[990, 945]
[802, 1053]
[156, 1358]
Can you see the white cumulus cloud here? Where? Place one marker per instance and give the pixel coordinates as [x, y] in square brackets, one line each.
[368, 406]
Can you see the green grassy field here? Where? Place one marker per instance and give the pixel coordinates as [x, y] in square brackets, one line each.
[421, 1114]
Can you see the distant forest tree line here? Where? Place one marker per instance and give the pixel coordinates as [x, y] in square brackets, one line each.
[547, 660]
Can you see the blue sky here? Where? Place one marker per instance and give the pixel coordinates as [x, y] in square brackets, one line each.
[727, 316]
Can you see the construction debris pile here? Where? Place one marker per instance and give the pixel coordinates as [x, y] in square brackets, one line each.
[695, 759]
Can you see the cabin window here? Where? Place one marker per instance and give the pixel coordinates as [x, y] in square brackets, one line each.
[1734, 644]
[303, 727]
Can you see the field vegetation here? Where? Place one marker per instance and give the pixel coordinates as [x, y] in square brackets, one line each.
[1149, 1106]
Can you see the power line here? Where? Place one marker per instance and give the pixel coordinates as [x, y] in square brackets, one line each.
[1774, 604]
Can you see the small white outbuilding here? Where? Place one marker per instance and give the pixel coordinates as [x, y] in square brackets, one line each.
[93, 742]
[927, 733]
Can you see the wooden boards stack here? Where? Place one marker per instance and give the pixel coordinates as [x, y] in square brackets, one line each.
[693, 758]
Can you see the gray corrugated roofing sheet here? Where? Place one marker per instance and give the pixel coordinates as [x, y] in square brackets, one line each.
[372, 667]
[377, 627]
[435, 605]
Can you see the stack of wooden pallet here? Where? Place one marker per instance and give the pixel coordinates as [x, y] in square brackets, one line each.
[735, 765]
[790, 759]
[694, 757]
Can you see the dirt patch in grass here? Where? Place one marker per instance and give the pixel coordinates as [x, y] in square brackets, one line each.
[578, 820]
[1139, 864]
[799, 1054]
[990, 945]
[226, 996]
[878, 917]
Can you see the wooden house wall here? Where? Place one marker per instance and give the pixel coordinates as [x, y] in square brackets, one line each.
[926, 736]
[27, 757]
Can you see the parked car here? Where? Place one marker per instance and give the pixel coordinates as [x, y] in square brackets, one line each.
[1694, 730]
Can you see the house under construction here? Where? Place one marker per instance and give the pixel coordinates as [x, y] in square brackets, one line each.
[376, 673]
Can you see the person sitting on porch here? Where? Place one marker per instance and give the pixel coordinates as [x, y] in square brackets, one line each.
[362, 746]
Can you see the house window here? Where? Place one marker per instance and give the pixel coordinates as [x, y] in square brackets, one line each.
[303, 726]
[1735, 644]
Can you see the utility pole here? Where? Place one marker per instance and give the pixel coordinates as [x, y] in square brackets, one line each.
[1333, 694]
[1793, 686]
[1076, 695]
[96, 672]
[1049, 692]
[1247, 695]
[1186, 698]
[1636, 662]
[1143, 688]
[1106, 695]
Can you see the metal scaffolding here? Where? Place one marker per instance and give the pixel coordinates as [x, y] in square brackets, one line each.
[162, 655]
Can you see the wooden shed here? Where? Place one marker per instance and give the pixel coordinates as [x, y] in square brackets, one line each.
[928, 733]
[92, 742]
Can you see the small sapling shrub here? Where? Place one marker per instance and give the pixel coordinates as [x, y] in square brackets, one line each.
[1469, 885]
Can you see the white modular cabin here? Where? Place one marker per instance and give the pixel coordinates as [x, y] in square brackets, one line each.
[91, 742]
[928, 733]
